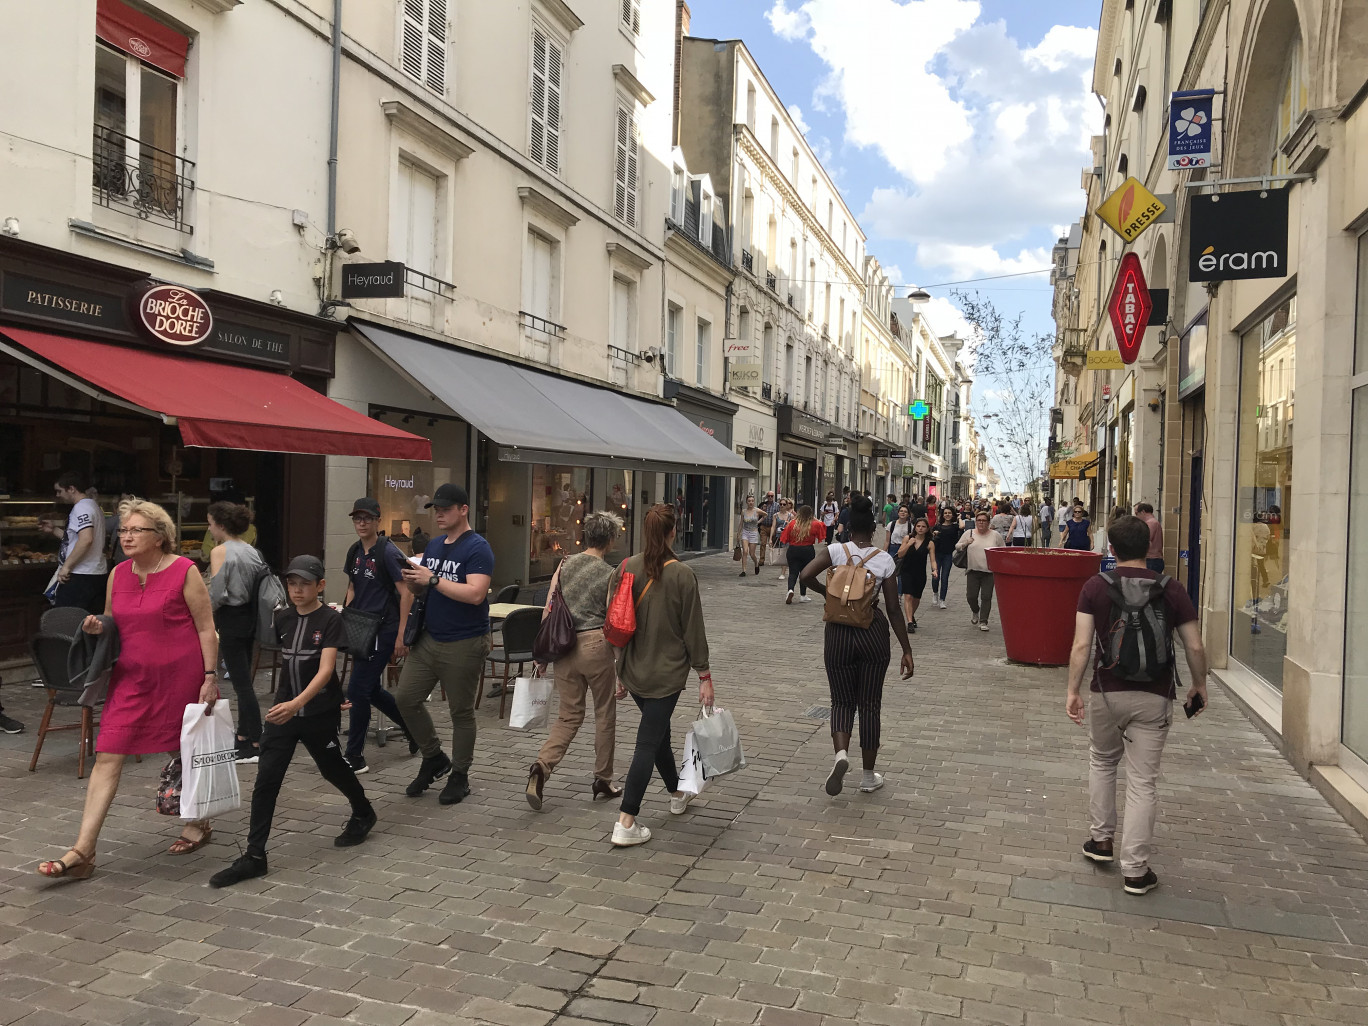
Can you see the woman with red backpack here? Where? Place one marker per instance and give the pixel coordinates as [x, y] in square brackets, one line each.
[856, 649]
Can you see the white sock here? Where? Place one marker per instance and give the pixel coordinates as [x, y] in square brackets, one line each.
[841, 755]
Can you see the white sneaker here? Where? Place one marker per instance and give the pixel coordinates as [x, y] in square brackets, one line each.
[625, 837]
[836, 777]
[983, 626]
[789, 601]
[678, 805]
[806, 598]
[942, 603]
[868, 786]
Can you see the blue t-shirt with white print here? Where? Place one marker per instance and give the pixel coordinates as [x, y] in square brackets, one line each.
[445, 618]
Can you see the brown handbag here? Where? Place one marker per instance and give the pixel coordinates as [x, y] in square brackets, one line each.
[556, 636]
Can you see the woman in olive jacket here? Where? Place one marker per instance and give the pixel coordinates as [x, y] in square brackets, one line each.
[654, 666]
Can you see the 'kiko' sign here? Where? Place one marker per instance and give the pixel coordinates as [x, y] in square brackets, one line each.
[1238, 235]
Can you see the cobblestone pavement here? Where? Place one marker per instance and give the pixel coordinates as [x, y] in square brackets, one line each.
[955, 895]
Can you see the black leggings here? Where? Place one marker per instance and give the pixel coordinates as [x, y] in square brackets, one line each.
[235, 626]
[799, 556]
[318, 733]
[857, 660]
[652, 749]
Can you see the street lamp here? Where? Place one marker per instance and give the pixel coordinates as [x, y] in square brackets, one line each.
[919, 296]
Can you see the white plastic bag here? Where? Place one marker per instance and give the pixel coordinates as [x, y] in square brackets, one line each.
[719, 742]
[531, 701]
[209, 783]
[692, 779]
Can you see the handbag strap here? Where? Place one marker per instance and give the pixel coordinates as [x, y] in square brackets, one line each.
[650, 581]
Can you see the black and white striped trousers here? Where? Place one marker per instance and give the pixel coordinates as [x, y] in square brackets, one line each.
[856, 662]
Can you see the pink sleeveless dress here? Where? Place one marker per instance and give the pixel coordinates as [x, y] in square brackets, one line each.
[160, 668]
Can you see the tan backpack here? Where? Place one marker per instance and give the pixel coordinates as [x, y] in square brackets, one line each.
[851, 592]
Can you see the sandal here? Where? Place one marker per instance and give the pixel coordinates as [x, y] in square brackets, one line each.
[183, 845]
[61, 868]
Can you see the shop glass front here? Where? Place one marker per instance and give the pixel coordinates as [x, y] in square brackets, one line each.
[404, 487]
[561, 496]
[1354, 729]
[1263, 489]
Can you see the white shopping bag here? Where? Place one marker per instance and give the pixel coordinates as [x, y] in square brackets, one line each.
[719, 742]
[692, 779]
[531, 699]
[209, 783]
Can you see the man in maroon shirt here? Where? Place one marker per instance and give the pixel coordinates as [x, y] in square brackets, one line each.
[1154, 556]
[1128, 718]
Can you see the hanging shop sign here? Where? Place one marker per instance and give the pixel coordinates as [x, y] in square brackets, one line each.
[1190, 131]
[1105, 359]
[1238, 235]
[743, 373]
[384, 280]
[740, 349]
[1130, 209]
[918, 410]
[172, 314]
[1129, 307]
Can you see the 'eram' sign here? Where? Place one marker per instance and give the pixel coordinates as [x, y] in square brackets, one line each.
[1238, 235]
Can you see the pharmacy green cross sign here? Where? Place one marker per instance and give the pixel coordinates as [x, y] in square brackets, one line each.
[918, 410]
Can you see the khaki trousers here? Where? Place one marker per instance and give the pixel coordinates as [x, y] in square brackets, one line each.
[1144, 719]
[457, 665]
[590, 667]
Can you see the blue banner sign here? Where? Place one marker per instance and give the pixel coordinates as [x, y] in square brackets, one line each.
[1190, 129]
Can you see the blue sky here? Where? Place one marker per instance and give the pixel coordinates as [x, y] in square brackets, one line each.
[955, 129]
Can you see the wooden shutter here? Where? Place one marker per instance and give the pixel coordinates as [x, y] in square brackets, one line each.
[544, 137]
[435, 75]
[625, 182]
[423, 43]
[631, 15]
[412, 47]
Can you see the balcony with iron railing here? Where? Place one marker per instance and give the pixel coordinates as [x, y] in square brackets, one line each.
[766, 390]
[771, 282]
[139, 179]
[747, 260]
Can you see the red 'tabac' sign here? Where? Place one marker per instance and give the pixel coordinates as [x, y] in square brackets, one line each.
[1130, 307]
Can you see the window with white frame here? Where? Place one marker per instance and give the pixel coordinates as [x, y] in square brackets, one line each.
[541, 280]
[674, 324]
[631, 16]
[624, 314]
[679, 191]
[423, 43]
[627, 159]
[544, 104]
[417, 219]
[705, 212]
[701, 353]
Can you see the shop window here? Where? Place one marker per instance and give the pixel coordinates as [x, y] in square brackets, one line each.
[1263, 488]
[560, 497]
[1354, 731]
[404, 487]
[415, 229]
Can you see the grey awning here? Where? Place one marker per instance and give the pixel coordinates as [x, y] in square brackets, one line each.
[538, 417]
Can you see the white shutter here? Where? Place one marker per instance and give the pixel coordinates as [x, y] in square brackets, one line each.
[544, 134]
[412, 44]
[435, 77]
[625, 168]
[631, 15]
[539, 278]
[423, 42]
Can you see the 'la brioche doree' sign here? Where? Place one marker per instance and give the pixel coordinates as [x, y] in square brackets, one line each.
[174, 315]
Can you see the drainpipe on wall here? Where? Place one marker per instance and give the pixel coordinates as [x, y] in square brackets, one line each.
[330, 243]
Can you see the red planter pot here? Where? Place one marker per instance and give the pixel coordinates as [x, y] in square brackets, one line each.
[1036, 593]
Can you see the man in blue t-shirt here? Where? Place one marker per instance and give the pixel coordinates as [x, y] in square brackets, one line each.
[452, 643]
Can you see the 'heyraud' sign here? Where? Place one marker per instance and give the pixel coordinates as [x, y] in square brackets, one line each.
[1238, 235]
[373, 281]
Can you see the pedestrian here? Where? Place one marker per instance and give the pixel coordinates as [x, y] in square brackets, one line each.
[1063, 515]
[81, 566]
[457, 567]
[915, 508]
[1047, 523]
[768, 507]
[801, 536]
[1130, 707]
[1023, 526]
[1002, 518]
[168, 651]
[1154, 558]
[899, 531]
[654, 667]
[1078, 531]
[829, 513]
[843, 520]
[781, 520]
[233, 569]
[944, 537]
[749, 533]
[980, 579]
[375, 585]
[588, 668]
[307, 711]
[857, 658]
[913, 552]
[890, 510]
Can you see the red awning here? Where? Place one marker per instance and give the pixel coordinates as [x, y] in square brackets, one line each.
[223, 405]
[145, 38]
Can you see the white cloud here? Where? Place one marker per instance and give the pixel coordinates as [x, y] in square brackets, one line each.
[946, 318]
[799, 122]
[986, 135]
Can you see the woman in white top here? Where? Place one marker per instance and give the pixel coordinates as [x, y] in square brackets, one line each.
[233, 567]
[1023, 526]
[901, 528]
[857, 657]
[978, 542]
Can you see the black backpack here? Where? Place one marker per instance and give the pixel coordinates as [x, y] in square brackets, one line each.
[1137, 643]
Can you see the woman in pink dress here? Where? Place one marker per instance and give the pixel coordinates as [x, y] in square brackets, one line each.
[167, 654]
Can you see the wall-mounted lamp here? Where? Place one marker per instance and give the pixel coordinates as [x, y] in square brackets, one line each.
[12, 227]
[277, 297]
[345, 240]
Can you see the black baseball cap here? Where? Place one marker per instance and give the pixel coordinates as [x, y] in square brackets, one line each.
[308, 567]
[449, 495]
[366, 505]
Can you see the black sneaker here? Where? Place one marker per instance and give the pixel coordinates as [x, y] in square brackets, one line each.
[413, 746]
[1099, 851]
[247, 752]
[246, 867]
[356, 830]
[10, 726]
[457, 787]
[358, 764]
[432, 769]
[1142, 884]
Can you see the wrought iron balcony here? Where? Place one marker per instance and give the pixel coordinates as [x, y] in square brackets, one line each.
[130, 175]
[790, 301]
[747, 261]
[540, 325]
[771, 283]
[766, 390]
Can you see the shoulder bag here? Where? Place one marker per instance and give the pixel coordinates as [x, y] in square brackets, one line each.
[960, 557]
[620, 624]
[360, 627]
[556, 636]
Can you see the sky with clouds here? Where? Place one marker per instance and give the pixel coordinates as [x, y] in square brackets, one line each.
[955, 129]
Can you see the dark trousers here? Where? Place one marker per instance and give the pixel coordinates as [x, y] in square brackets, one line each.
[366, 688]
[318, 734]
[980, 593]
[1156, 564]
[857, 661]
[652, 750]
[944, 564]
[799, 556]
[84, 591]
[236, 625]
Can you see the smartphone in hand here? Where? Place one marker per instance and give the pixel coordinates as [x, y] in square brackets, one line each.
[1194, 705]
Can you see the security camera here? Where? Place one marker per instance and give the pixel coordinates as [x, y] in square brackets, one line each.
[649, 355]
[12, 226]
[346, 241]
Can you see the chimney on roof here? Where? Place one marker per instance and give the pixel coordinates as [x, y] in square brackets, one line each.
[682, 18]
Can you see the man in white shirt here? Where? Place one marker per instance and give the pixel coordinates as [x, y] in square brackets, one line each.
[82, 570]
